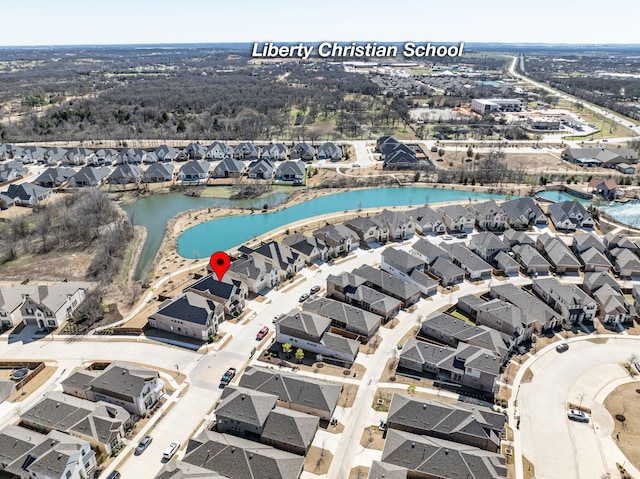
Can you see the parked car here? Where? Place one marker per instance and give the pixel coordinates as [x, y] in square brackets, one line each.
[143, 445]
[577, 415]
[227, 377]
[114, 475]
[434, 149]
[561, 348]
[171, 450]
[637, 365]
[447, 237]
[262, 333]
[303, 298]
[315, 289]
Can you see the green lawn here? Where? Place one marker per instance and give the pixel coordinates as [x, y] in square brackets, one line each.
[459, 315]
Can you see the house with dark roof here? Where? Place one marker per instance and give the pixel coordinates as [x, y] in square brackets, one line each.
[605, 157]
[34, 154]
[241, 411]
[573, 304]
[427, 220]
[338, 238]
[194, 151]
[125, 174]
[470, 262]
[459, 422]
[89, 176]
[400, 263]
[246, 151]
[534, 308]
[261, 169]
[289, 430]
[489, 215]
[189, 315]
[345, 317]
[433, 458]
[613, 307]
[218, 151]
[258, 274]
[329, 151]
[569, 216]
[274, 151]
[533, 263]
[279, 255]
[487, 245]
[448, 272]
[159, 173]
[500, 315]
[513, 237]
[558, 254]
[78, 156]
[228, 168]
[382, 470]
[54, 156]
[302, 151]
[105, 157]
[369, 229]
[299, 393]
[596, 279]
[523, 212]
[400, 225]
[54, 177]
[28, 194]
[166, 153]
[506, 263]
[310, 248]
[457, 218]
[194, 171]
[352, 290]
[594, 260]
[11, 300]
[583, 241]
[48, 307]
[291, 171]
[231, 456]
[402, 158]
[6, 202]
[319, 335]
[612, 241]
[428, 251]
[12, 170]
[389, 284]
[625, 262]
[230, 293]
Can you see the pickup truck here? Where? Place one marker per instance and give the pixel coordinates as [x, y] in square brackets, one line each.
[228, 376]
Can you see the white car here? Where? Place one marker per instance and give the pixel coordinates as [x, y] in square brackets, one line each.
[171, 450]
[576, 415]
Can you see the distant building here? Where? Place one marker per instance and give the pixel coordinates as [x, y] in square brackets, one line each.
[485, 106]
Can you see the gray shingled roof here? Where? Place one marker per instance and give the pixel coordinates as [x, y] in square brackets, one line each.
[387, 283]
[429, 249]
[597, 279]
[400, 259]
[245, 405]
[529, 257]
[124, 379]
[189, 307]
[342, 313]
[382, 470]
[528, 303]
[459, 253]
[291, 427]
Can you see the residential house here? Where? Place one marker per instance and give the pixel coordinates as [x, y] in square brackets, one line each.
[400, 159]
[194, 171]
[230, 293]
[369, 229]
[159, 173]
[11, 300]
[612, 241]
[131, 156]
[261, 169]
[534, 308]
[489, 216]
[351, 289]
[462, 423]
[246, 151]
[625, 168]
[573, 304]
[6, 202]
[533, 263]
[428, 457]
[134, 388]
[512, 237]
[427, 220]
[605, 157]
[470, 262]
[428, 251]
[54, 177]
[48, 307]
[389, 284]
[457, 218]
[400, 226]
[409, 268]
[125, 174]
[329, 151]
[594, 260]
[444, 328]
[275, 152]
[320, 335]
[8, 151]
[279, 255]
[583, 241]
[487, 245]
[299, 393]
[102, 425]
[469, 366]
[28, 194]
[595, 280]
[195, 151]
[506, 263]
[504, 317]
[218, 151]
[613, 307]
[228, 168]
[338, 238]
[56, 455]
[104, 157]
[78, 156]
[604, 188]
[523, 212]
[384, 142]
[344, 317]
[448, 272]
[89, 176]
[558, 254]
[255, 272]
[225, 455]
[626, 262]
[569, 216]
[302, 151]
[12, 170]
[54, 156]
[165, 153]
[189, 315]
[291, 171]
[310, 248]
[382, 470]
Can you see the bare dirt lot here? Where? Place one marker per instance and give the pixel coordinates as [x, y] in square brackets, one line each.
[53, 266]
[626, 433]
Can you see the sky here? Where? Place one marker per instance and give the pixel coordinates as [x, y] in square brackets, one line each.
[82, 22]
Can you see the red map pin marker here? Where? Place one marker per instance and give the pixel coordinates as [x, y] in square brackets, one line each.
[220, 262]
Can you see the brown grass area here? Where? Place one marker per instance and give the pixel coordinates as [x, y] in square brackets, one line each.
[54, 266]
[527, 377]
[359, 472]
[387, 392]
[317, 461]
[372, 345]
[348, 395]
[372, 438]
[337, 429]
[622, 401]
[40, 378]
[529, 468]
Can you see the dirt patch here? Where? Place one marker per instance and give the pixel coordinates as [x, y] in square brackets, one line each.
[371, 346]
[527, 377]
[372, 438]
[348, 395]
[528, 467]
[55, 266]
[317, 461]
[39, 379]
[359, 472]
[626, 433]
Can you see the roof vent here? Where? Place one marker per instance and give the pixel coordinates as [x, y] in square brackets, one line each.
[233, 449]
[446, 451]
[413, 444]
[424, 406]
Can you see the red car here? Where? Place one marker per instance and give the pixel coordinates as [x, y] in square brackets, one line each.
[262, 333]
